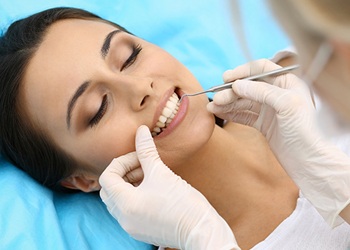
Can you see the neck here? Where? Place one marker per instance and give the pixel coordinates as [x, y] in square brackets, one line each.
[238, 174]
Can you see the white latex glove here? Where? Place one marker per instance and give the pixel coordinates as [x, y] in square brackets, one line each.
[282, 109]
[163, 210]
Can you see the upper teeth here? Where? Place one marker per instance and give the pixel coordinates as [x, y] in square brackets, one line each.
[168, 113]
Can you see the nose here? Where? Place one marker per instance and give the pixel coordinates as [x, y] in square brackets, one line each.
[135, 90]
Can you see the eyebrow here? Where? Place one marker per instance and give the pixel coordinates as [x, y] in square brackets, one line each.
[107, 43]
[82, 88]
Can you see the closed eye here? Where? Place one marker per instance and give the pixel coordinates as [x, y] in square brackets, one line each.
[100, 113]
[136, 49]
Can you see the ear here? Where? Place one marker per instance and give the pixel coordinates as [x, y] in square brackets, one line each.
[84, 182]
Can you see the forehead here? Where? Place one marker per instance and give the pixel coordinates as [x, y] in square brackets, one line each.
[61, 63]
[72, 35]
[68, 41]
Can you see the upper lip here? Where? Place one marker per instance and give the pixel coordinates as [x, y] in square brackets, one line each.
[161, 106]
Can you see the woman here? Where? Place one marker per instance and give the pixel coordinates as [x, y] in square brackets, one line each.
[76, 90]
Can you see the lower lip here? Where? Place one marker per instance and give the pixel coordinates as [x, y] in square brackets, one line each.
[180, 115]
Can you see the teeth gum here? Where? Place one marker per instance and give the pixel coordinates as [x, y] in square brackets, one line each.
[168, 113]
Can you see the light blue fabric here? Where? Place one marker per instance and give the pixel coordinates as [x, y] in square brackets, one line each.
[33, 217]
[199, 34]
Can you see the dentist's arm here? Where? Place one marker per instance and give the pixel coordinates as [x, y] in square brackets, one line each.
[163, 210]
[282, 109]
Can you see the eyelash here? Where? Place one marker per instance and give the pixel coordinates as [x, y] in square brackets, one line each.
[136, 49]
[100, 113]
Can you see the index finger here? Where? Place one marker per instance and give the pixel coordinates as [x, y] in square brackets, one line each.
[118, 168]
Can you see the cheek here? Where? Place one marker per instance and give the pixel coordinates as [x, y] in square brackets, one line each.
[98, 149]
[114, 144]
[160, 62]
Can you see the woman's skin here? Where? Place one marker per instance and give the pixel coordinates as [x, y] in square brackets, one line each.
[233, 167]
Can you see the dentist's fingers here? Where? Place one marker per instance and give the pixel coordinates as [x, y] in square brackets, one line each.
[249, 69]
[121, 166]
[236, 73]
[112, 176]
[247, 105]
[224, 97]
[260, 92]
[146, 150]
[241, 117]
[239, 105]
[135, 176]
[245, 117]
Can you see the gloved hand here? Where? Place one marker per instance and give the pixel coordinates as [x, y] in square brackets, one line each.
[163, 210]
[282, 109]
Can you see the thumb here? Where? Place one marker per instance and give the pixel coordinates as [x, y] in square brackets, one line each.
[111, 180]
[260, 92]
[146, 149]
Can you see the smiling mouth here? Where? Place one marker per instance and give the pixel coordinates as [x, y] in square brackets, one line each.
[170, 110]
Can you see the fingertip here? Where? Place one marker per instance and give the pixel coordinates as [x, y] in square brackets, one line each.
[227, 75]
[143, 134]
[210, 107]
[239, 85]
[251, 90]
[224, 97]
[143, 129]
[145, 146]
[215, 109]
[236, 73]
[260, 92]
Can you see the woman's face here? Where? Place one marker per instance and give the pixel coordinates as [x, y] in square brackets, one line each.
[89, 87]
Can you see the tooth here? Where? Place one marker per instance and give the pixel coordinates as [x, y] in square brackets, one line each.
[167, 112]
[162, 118]
[173, 99]
[160, 124]
[171, 105]
[157, 129]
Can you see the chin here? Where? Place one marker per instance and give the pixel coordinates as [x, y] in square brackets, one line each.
[189, 138]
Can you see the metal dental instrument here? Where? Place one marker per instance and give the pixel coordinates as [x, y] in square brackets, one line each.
[254, 77]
